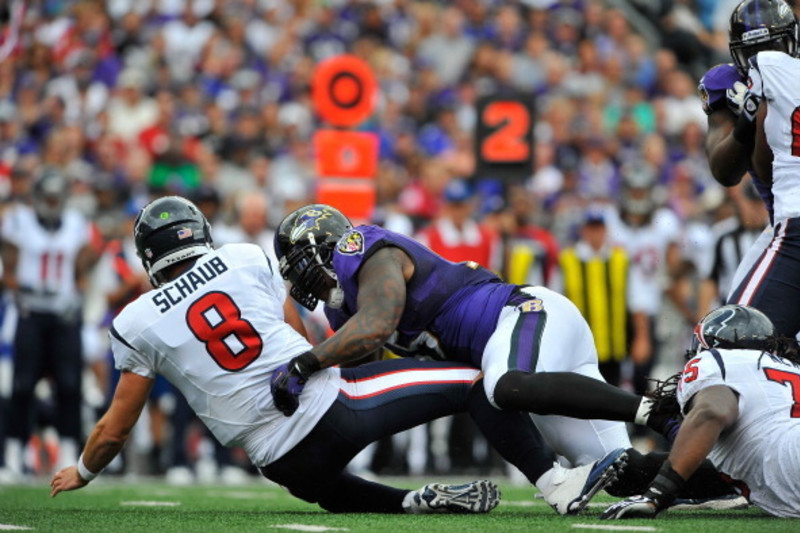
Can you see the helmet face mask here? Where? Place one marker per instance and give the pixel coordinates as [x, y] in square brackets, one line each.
[758, 25]
[168, 231]
[49, 194]
[733, 327]
[304, 244]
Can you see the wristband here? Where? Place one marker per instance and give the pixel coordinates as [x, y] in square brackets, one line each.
[305, 364]
[84, 472]
[745, 132]
[666, 486]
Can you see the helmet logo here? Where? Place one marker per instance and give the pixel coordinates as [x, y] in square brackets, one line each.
[306, 222]
[351, 243]
[755, 35]
[148, 253]
[184, 233]
[164, 215]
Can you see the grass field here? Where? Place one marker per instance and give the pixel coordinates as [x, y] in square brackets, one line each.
[109, 505]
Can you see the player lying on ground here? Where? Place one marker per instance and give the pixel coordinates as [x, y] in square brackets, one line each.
[740, 393]
[214, 327]
[535, 349]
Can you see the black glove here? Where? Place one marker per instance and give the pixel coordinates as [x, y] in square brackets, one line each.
[659, 495]
[288, 381]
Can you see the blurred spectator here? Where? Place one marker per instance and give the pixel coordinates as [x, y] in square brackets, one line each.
[595, 276]
[456, 236]
[130, 112]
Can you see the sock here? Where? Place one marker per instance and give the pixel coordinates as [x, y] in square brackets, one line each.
[545, 483]
[411, 503]
[643, 412]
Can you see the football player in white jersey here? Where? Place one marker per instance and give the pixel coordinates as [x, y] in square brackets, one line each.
[215, 327]
[755, 25]
[740, 392]
[773, 283]
[46, 255]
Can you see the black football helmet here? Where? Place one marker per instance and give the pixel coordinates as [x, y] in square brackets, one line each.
[304, 244]
[733, 326]
[167, 231]
[50, 192]
[758, 25]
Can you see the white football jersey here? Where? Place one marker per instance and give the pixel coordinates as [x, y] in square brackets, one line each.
[647, 247]
[217, 332]
[46, 263]
[761, 451]
[776, 78]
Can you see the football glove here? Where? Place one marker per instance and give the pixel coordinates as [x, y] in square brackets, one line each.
[659, 495]
[633, 507]
[288, 381]
[734, 97]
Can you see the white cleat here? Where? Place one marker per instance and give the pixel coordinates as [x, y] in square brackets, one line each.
[574, 487]
[474, 497]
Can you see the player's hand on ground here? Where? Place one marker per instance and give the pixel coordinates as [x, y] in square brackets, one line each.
[633, 507]
[66, 479]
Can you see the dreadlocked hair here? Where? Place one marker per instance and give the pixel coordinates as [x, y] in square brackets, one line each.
[784, 347]
[665, 396]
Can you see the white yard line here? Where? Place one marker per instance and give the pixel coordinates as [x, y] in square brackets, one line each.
[308, 527]
[12, 527]
[608, 527]
[149, 503]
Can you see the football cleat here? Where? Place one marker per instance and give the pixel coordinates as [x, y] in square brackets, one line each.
[475, 497]
[574, 487]
[722, 503]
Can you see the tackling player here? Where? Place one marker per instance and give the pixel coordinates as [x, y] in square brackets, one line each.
[740, 393]
[214, 327]
[535, 349]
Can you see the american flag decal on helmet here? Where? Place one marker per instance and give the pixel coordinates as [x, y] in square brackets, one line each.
[184, 233]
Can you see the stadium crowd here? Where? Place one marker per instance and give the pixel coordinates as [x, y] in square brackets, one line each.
[128, 100]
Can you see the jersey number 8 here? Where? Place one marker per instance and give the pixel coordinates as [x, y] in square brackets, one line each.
[230, 340]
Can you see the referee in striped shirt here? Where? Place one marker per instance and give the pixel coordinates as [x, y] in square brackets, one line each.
[729, 248]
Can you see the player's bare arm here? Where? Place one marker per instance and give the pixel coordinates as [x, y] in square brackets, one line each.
[110, 434]
[381, 300]
[711, 411]
[10, 256]
[728, 159]
[762, 153]
[292, 317]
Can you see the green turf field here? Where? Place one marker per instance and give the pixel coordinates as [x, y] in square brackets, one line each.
[109, 505]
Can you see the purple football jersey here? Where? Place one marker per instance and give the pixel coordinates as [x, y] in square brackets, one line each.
[712, 89]
[459, 303]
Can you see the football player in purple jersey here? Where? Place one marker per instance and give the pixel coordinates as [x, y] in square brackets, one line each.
[534, 348]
